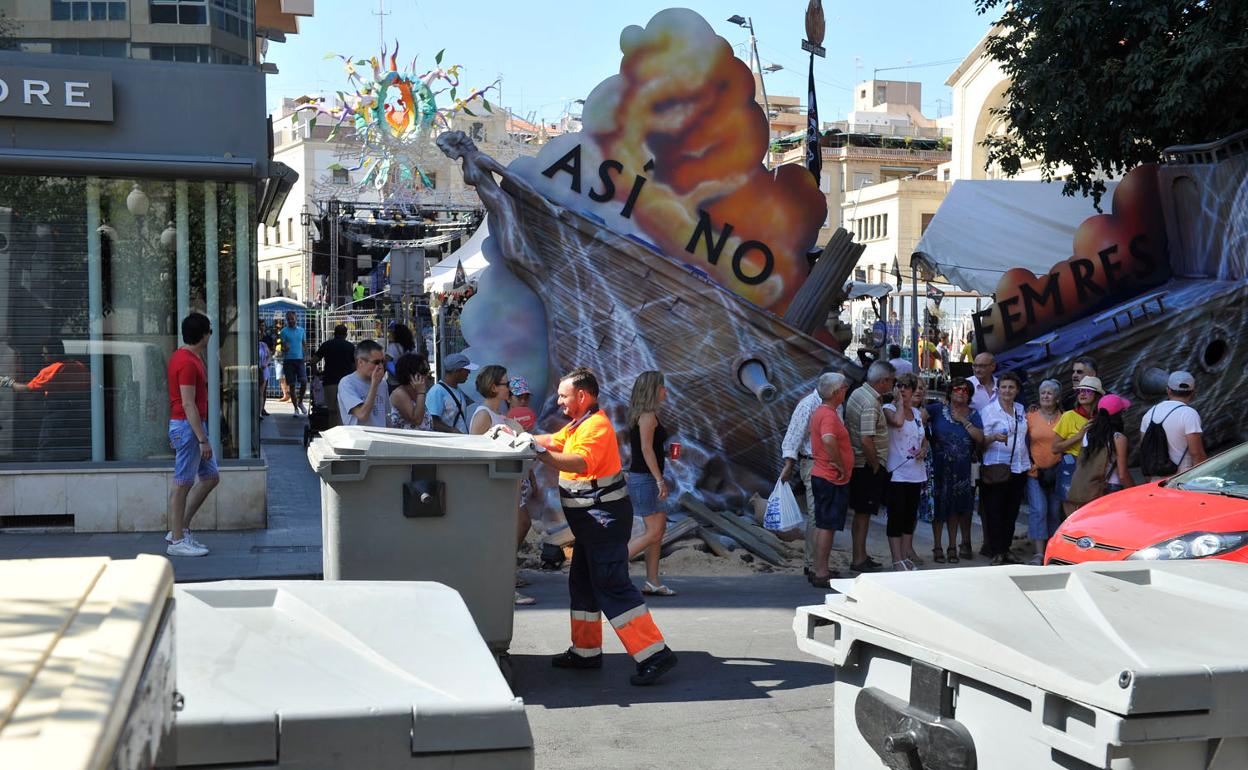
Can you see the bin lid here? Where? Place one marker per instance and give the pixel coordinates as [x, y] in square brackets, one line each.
[379, 445]
[306, 668]
[1129, 637]
[74, 638]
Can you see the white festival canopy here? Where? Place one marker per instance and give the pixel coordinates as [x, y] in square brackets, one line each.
[984, 228]
[442, 275]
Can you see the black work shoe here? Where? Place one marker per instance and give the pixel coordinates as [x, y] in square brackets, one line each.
[866, 565]
[653, 667]
[570, 659]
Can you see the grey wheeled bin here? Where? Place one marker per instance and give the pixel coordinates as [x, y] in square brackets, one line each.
[408, 505]
[309, 675]
[1130, 665]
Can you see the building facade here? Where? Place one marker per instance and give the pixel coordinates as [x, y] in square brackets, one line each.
[119, 215]
[326, 174]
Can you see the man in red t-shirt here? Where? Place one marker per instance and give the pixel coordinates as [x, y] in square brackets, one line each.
[188, 435]
[829, 478]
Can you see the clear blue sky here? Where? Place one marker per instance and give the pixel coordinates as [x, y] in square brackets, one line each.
[551, 53]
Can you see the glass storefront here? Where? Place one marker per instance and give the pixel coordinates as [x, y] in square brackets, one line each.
[95, 276]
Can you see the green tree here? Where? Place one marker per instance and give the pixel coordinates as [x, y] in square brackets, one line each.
[1104, 86]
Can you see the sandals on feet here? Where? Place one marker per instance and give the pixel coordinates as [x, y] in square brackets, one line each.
[650, 589]
[966, 552]
[938, 555]
[822, 582]
[952, 554]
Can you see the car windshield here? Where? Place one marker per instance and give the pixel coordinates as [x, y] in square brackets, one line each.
[1224, 474]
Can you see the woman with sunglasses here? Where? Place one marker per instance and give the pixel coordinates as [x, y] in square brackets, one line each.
[957, 434]
[495, 386]
[1006, 462]
[906, 472]
[407, 401]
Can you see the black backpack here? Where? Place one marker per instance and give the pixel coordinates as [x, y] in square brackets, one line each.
[1155, 449]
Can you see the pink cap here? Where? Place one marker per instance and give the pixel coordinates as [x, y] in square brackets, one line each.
[1113, 403]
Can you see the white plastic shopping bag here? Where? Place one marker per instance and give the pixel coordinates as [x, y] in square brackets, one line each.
[782, 511]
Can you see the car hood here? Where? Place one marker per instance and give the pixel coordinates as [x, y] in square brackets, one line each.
[1148, 514]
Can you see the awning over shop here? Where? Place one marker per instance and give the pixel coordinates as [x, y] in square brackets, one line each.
[984, 228]
[442, 275]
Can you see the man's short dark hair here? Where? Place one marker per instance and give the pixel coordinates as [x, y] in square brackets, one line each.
[582, 379]
[366, 348]
[894, 351]
[195, 327]
[340, 330]
[1087, 361]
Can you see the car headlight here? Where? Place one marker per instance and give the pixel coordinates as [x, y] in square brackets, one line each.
[1194, 545]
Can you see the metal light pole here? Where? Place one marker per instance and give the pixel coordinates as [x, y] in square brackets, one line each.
[755, 64]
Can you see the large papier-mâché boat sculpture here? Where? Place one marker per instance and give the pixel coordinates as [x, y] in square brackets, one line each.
[1172, 295]
[656, 239]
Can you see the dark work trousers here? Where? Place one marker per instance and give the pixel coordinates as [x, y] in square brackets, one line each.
[1000, 512]
[601, 519]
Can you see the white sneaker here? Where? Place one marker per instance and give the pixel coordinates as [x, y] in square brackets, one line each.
[186, 533]
[186, 548]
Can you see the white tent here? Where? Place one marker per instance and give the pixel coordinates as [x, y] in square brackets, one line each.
[442, 275]
[984, 228]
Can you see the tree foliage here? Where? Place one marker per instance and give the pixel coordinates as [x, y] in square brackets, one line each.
[1104, 85]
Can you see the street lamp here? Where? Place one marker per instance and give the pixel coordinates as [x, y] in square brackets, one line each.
[755, 63]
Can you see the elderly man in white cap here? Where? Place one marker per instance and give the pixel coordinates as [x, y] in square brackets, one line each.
[1180, 420]
[447, 403]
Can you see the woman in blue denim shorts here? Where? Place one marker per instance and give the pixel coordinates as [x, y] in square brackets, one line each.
[646, 486]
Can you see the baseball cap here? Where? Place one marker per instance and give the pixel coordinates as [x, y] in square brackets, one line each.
[1181, 382]
[519, 386]
[1114, 403]
[457, 361]
[1091, 383]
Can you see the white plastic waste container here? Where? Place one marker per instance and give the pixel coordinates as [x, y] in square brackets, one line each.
[308, 675]
[1127, 665]
[407, 505]
[86, 664]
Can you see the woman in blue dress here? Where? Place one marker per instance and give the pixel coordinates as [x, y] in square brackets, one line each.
[956, 435]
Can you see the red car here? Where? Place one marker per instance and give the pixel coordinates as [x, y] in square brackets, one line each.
[1201, 513]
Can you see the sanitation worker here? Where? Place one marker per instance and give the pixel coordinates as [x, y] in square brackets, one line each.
[600, 515]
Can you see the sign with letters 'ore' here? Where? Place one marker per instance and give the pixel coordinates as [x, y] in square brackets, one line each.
[672, 153]
[1116, 256]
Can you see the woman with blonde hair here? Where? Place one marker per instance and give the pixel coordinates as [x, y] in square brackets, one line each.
[646, 486]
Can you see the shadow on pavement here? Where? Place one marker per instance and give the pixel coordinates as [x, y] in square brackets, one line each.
[699, 677]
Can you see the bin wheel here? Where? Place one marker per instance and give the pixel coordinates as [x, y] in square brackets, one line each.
[506, 669]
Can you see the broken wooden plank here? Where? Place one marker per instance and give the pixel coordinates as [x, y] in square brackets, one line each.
[712, 543]
[674, 532]
[729, 526]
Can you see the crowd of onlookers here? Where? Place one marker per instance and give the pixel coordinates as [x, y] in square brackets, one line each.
[888, 446]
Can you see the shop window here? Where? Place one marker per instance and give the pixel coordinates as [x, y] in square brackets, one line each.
[77, 249]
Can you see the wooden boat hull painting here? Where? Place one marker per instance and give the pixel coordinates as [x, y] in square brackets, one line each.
[621, 307]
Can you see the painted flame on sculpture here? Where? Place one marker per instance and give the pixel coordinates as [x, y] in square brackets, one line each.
[682, 114]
